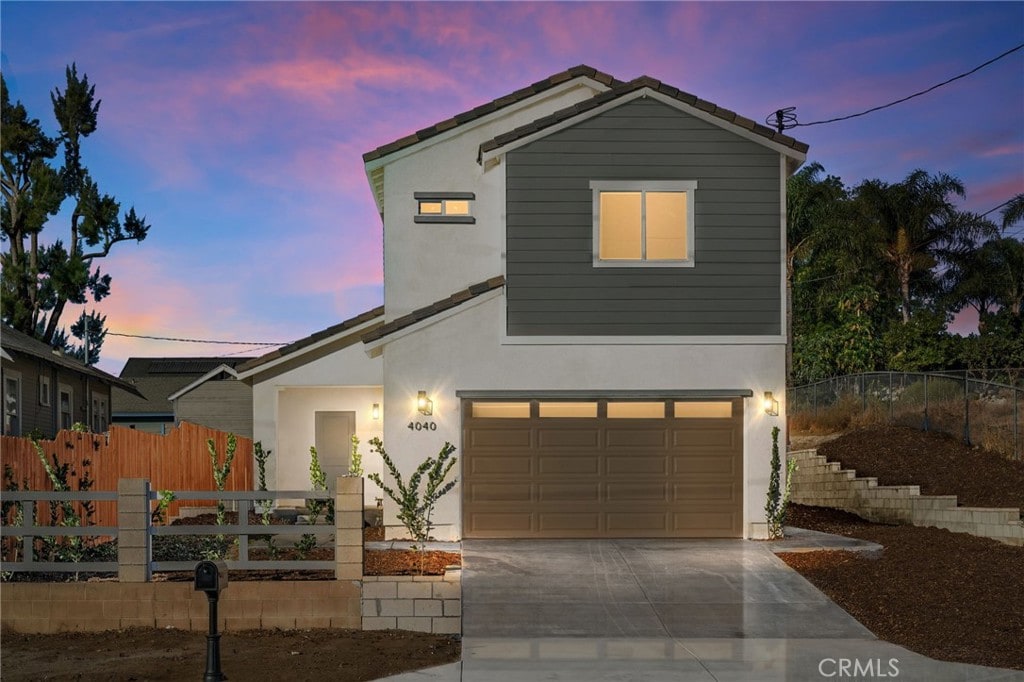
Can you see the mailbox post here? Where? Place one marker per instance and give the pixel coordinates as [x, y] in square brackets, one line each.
[211, 578]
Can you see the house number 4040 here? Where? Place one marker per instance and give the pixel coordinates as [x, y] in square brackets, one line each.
[423, 426]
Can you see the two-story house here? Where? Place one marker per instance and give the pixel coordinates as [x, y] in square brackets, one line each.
[583, 292]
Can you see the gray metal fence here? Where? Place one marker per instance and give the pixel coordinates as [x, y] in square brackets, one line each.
[982, 413]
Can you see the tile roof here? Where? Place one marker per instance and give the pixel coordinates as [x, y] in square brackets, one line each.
[350, 323]
[458, 298]
[177, 366]
[491, 107]
[152, 395]
[632, 86]
[17, 342]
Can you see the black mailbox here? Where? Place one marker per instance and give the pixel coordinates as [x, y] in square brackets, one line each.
[211, 576]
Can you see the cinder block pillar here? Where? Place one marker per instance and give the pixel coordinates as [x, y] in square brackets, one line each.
[348, 531]
[133, 530]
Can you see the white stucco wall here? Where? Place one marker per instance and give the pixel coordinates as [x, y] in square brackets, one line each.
[432, 261]
[284, 408]
[463, 352]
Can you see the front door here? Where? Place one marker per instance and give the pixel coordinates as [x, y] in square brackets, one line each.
[334, 431]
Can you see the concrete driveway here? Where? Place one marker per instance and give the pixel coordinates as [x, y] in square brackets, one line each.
[676, 610]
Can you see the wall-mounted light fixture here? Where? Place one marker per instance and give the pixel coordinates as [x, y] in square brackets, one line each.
[771, 405]
[424, 404]
[375, 411]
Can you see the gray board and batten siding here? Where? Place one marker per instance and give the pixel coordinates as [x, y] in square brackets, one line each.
[552, 286]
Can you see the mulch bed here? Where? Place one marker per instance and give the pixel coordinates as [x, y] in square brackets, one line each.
[949, 596]
[940, 464]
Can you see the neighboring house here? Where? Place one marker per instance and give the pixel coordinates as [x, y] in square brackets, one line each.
[583, 292]
[45, 390]
[200, 390]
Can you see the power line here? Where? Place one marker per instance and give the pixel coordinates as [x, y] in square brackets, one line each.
[786, 118]
[265, 344]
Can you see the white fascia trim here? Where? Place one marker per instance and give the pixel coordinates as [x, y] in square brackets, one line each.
[483, 120]
[260, 369]
[642, 340]
[783, 246]
[643, 93]
[5, 356]
[202, 380]
[416, 327]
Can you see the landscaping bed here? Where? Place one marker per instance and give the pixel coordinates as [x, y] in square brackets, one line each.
[171, 655]
[939, 464]
[949, 596]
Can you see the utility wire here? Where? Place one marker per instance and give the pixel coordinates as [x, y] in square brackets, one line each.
[786, 118]
[265, 344]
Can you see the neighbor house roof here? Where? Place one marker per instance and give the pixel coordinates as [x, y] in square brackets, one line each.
[16, 343]
[617, 88]
[622, 89]
[490, 107]
[155, 379]
[312, 339]
[456, 299]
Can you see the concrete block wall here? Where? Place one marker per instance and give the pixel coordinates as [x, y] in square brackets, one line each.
[251, 605]
[821, 483]
[424, 603]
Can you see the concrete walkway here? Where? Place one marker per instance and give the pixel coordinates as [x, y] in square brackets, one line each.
[596, 610]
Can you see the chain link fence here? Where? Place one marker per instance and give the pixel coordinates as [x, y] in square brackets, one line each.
[981, 413]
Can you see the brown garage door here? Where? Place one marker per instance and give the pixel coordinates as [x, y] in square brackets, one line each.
[602, 468]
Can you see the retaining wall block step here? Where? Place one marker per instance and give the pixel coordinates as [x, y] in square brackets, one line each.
[415, 623]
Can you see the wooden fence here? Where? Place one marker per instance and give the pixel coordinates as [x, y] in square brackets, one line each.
[179, 460]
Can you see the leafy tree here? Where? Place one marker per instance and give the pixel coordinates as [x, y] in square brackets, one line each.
[40, 279]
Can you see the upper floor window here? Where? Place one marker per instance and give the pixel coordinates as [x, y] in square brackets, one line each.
[643, 223]
[444, 207]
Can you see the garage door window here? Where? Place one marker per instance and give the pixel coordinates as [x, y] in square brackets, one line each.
[718, 410]
[579, 410]
[501, 410]
[636, 410]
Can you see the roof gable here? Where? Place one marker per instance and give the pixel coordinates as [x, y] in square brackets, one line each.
[543, 85]
[626, 92]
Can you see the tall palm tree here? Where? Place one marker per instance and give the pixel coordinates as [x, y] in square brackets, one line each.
[915, 225]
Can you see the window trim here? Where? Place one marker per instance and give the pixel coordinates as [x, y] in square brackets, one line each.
[44, 383]
[687, 187]
[443, 218]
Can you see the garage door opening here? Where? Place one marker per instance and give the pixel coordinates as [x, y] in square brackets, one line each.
[602, 468]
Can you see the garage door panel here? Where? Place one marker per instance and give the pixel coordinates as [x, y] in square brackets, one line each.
[637, 464]
[499, 492]
[553, 464]
[568, 492]
[699, 464]
[574, 477]
[696, 439]
[481, 439]
[629, 523]
[559, 522]
[588, 438]
[649, 491]
[727, 493]
[499, 522]
[510, 464]
[654, 437]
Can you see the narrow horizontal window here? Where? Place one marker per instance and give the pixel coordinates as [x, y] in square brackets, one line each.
[501, 410]
[444, 207]
[696, 410]
[636, 410]
[580, 410]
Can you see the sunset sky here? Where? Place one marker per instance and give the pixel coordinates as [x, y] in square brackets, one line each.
[237, 128]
